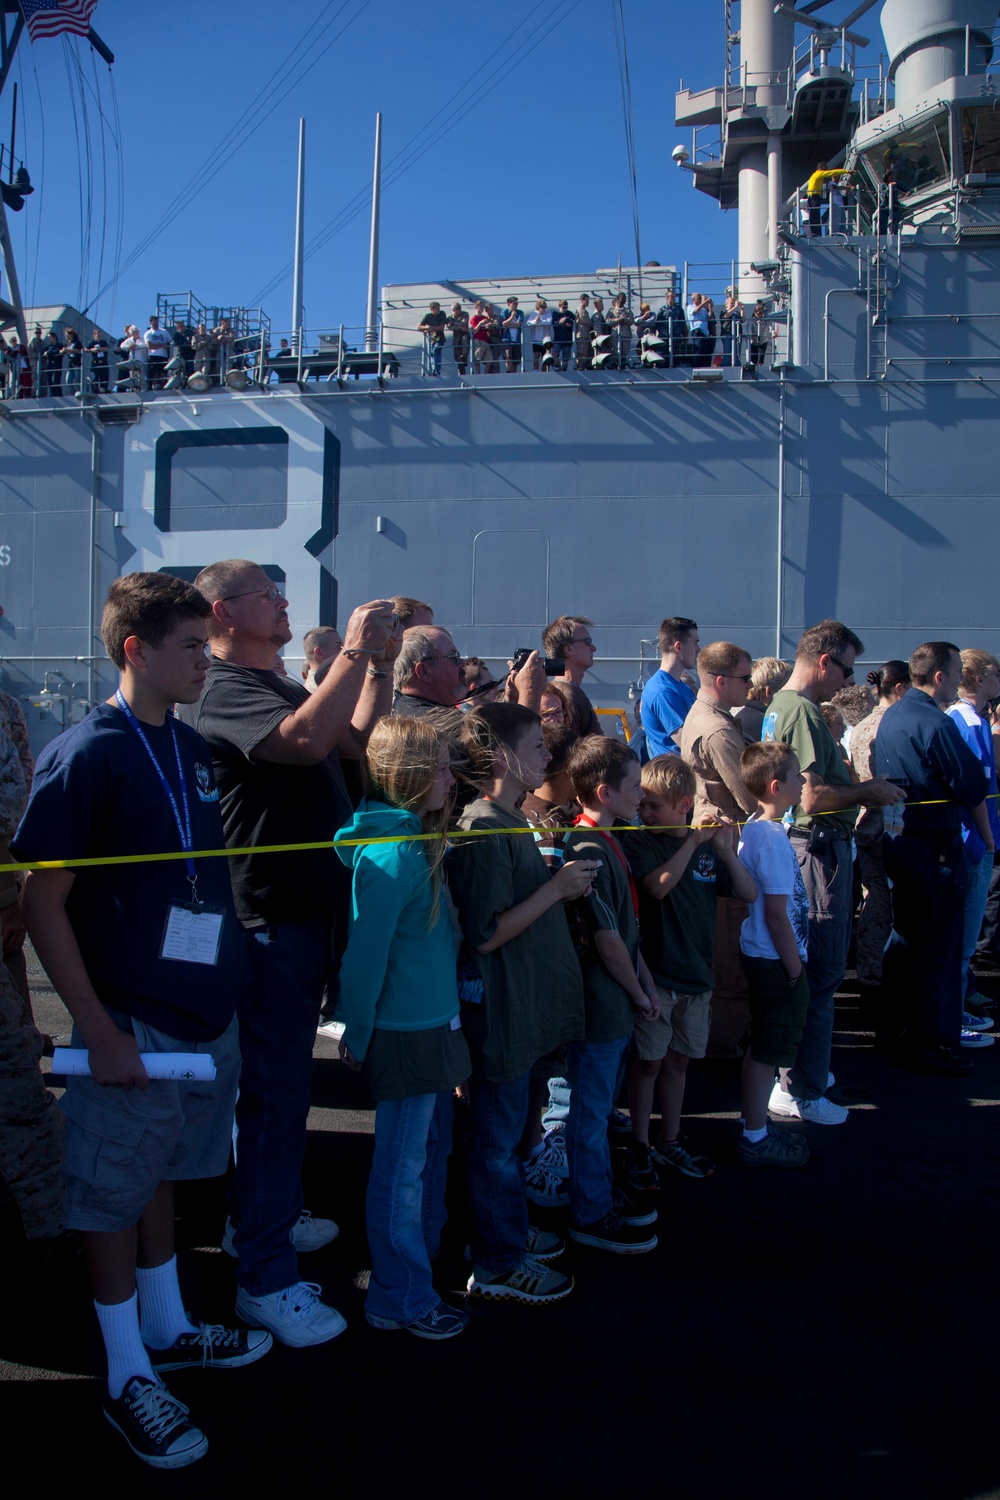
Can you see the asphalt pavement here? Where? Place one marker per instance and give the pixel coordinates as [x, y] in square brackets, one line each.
[831, 1332]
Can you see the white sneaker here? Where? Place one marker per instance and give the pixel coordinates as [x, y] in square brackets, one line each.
[308, 1234]
[295, 1316]
[816, 1111]
[976, 1039]
[332, 1029]
[553, 1157]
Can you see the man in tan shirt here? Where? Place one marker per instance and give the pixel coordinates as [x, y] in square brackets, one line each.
[711, 744]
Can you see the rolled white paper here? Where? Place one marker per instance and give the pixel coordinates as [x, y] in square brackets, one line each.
[185, 1067]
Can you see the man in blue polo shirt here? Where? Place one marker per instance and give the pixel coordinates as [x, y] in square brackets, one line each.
[666, 698]
[920, 748]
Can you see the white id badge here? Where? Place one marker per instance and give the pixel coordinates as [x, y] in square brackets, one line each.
[193, 933]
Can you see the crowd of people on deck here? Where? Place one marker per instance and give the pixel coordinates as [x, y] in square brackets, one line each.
[59, 362]
[496, 910]
[590, 336]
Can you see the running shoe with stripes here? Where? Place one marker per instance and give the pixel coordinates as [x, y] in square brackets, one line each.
[528, 1281]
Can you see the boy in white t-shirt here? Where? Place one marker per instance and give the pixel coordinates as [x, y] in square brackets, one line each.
[772, 951]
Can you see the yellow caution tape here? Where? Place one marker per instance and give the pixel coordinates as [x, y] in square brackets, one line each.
[389, 838]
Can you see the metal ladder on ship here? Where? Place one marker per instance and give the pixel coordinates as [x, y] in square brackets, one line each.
[880, 262]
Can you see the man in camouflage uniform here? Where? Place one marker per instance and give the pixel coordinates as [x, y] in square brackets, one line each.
[30, 1150]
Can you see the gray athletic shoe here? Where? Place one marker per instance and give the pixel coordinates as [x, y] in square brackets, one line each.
[779, 1148]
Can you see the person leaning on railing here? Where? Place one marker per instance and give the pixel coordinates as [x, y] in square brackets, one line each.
[459, 325]
[36, 347]
[52, 358]
[621, 320]
[98, 351]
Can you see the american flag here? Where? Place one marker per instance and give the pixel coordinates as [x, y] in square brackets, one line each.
[49, 17]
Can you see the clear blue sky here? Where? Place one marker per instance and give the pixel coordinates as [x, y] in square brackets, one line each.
[531, 176]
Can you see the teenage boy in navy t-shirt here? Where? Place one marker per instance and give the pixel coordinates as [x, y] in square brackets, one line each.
[148, 959]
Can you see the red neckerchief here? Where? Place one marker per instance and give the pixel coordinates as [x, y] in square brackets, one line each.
[610, 839]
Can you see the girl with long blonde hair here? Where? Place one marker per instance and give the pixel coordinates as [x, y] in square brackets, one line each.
[399, 1003]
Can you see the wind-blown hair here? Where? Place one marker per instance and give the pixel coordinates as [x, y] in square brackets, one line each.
[401, 764]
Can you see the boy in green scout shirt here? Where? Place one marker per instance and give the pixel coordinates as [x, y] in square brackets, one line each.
[617, 984]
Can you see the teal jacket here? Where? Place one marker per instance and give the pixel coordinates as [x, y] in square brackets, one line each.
[396, 975]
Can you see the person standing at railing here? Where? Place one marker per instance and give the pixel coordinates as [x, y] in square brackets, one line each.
[512, 326]
[73, 350]
[19, 367]
[816, 191]
[459, 325]
[479, 323]
[432, 328]
[584, 334]
[133, 346]
[540, 323]
[157, 352]
[180, 344]
[562, 332]
[697, 320]
[225, 348]
[621, 320]
[98, 351]
[759, 333]
[731, 327]
[52, 359]
[36, 348]
[203, 347]
[672, 326]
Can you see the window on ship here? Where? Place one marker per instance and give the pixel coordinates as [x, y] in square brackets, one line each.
[913, 160]
[981, 140]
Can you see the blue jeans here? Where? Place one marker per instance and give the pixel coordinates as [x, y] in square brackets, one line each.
[593, 1078]
[497, 1199]
[980, 876]
[827, 876]
[278, 1012]
[405, 1205]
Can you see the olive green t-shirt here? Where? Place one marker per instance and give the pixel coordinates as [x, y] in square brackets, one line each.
[608, 908]
[403, 1064]
[532, 991]
[798, 721]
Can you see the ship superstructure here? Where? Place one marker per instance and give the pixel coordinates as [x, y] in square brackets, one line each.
[850, 472]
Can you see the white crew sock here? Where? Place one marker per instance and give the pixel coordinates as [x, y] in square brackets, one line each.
[161, 1311]
[753, 1136]
[120, 1330]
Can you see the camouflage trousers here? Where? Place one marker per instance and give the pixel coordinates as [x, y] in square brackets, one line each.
[30, 1123]
[875, 921]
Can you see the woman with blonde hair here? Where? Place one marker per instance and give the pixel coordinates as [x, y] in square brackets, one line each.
[399, 1005]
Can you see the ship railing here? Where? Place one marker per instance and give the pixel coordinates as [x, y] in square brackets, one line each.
[839, 214]
[830, 48]
[740, 342]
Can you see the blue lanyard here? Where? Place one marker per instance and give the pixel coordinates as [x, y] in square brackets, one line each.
[184, 829]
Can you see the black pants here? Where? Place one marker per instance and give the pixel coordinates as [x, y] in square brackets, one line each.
[815, 202]
[989, 938]
[922, 978]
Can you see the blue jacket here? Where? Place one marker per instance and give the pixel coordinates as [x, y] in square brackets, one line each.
[397, 975]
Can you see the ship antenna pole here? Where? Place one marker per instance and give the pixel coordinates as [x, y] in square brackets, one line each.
[371, 315]
[13, 132]
[299, 262]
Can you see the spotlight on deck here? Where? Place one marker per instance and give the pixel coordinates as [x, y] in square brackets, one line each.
[175, 369]
[199, 381]
[602, 360]
[237, 380]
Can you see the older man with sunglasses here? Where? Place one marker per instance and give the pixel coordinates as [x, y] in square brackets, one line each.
[276, 752]
[821, 833]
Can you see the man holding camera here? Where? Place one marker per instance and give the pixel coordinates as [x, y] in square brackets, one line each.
[275, 750]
